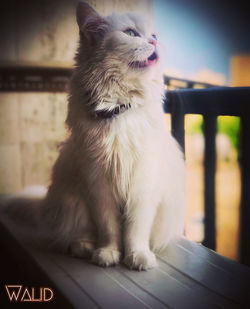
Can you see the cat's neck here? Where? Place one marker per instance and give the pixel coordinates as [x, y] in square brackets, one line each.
[113, 100]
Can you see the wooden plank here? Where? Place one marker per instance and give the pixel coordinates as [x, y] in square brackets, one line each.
[212, 257]
[85, 285]
[206, 296]
[119, 274]
[203, 270]
[64, 281]
[31, 271]
[169, 288]
[196, 292]
[39, 268]
[106, 291]
[188, 276]
[209, 181]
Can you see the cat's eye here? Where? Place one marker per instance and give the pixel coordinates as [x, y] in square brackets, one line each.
[131, 32]
[154, 36]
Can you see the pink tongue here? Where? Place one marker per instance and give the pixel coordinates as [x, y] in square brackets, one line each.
[150, 62]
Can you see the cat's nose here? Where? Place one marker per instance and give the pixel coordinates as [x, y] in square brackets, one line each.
[152, 41]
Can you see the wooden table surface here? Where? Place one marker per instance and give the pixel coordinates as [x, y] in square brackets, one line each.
[188, 276]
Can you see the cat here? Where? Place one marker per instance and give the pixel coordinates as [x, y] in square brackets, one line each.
[117, 189]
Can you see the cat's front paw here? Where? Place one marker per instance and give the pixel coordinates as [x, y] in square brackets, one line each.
[106, 257]
[140, 260]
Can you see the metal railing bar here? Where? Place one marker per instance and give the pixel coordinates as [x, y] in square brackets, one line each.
[213, 101]
[177, 120]
[209, 181]
[244, 237]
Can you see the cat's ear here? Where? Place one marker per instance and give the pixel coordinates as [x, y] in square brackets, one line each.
[91, 24]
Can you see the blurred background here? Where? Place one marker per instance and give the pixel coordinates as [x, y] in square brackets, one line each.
[208, 41]
[205, 41]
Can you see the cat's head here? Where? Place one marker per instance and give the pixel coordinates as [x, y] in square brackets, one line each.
[124, 43]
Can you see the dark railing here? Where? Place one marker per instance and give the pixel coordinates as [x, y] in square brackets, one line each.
[180, 83]
[26, 78]
[210, 102]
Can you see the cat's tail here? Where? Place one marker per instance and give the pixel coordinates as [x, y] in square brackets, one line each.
[25, 206]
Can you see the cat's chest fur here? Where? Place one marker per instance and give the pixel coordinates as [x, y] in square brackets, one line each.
[116, 149]
[117, 145]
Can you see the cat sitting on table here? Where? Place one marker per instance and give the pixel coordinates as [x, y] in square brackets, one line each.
[117, 189]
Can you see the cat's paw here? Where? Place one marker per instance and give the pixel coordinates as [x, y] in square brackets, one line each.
[140, 260]
[106, 257]
[81, 248]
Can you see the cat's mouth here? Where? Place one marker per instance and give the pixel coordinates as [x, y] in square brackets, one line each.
[152, 59]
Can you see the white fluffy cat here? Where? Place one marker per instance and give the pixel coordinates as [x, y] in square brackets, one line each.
[117, 187]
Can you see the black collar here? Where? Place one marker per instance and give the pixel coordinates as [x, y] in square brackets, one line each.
[107, 114]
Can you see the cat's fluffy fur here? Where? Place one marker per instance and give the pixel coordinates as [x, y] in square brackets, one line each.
[118, 185]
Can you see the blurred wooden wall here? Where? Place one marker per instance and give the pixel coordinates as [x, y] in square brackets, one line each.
[39, 32]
